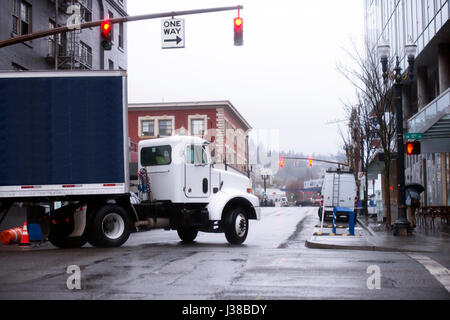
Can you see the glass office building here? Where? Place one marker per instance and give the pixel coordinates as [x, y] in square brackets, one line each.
[426, 100]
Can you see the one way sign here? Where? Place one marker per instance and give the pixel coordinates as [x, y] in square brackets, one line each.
[172, 33]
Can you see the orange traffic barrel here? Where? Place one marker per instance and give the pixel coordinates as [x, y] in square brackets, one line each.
[11, 236]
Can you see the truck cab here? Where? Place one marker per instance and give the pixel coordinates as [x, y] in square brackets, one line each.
[182, 179]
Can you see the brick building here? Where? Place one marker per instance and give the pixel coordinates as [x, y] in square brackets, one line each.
[215, 121]
[78, 49]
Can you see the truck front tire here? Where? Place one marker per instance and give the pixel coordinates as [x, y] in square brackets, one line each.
[109, 227]
[236, 226]
[187, 235]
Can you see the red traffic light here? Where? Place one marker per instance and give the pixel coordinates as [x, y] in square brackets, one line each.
[106, 30]
[238, 27]
[412, 147]
[238, 24]
[310, 162]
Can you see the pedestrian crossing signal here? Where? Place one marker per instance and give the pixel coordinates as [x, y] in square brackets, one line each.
[412, 147]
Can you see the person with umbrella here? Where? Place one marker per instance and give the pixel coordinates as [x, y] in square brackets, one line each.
[412, 192]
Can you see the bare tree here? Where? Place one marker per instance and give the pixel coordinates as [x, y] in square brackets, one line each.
[375, 103]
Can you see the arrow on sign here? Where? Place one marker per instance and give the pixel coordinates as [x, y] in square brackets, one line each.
[177, 39]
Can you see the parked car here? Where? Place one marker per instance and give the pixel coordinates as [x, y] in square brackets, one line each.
[338, 190]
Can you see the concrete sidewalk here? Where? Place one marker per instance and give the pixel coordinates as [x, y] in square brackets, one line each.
[367, 239]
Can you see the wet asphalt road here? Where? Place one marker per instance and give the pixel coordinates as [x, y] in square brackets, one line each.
[272, 264]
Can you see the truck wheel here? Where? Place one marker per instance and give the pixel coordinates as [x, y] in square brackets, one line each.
[109, 227]
[236, 226]
[187, 235]
[61, 226]
[66, 242]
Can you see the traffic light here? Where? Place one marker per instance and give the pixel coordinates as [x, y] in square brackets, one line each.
[412, 147]
[310, 162]
[106, 33]
[281, 162]
[238, 31]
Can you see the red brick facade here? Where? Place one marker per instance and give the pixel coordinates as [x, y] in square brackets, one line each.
[219, 119]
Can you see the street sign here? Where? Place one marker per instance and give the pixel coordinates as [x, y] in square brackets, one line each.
[172, 33]
[414, 136]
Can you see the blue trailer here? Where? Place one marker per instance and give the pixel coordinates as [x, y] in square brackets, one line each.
[64, 142]
[64, 138]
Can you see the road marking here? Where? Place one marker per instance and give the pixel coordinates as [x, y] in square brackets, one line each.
[441, 273]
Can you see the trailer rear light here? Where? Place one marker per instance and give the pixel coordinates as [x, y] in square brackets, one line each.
[27, 187]
[68, 186]
[109, 184]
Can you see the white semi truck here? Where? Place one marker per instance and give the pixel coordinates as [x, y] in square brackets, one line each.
[64, 140]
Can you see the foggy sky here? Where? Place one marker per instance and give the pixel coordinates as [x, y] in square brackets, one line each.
[284, 76]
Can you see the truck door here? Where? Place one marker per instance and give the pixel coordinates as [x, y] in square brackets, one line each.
[197, 172]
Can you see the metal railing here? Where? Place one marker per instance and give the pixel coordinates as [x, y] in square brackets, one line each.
[435, 109]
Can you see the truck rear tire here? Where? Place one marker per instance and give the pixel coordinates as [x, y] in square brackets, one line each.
[66, 242]
[61, 225]
[187, 235]
[236, 226]
[109, 227]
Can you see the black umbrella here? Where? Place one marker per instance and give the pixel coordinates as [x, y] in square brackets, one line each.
[415, 186]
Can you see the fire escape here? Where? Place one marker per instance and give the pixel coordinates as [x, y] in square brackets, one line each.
[71, 52]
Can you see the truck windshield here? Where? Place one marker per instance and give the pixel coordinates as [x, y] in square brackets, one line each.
[156, 156]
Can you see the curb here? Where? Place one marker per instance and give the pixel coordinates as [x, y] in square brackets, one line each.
[367, 228]
[315, 245]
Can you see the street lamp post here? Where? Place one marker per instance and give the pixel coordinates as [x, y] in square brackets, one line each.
[401, 224]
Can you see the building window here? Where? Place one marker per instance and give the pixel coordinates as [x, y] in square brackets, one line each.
[148, 128]
[165, 127]
[197, 127]
[111, 16]
[86, 9]
[85, 55]
[121, 36]
[21, 17]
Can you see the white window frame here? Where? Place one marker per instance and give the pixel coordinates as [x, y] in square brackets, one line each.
[156, 120]
[203, 117]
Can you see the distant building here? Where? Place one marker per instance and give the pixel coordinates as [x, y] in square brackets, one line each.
[426, 100]
[216, 121]
[78, 49]
[316, 183]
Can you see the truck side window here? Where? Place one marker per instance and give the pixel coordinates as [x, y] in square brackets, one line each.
[196, 154]
[156, 156]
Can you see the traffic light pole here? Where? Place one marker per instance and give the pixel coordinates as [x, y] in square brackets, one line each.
[317, 160]
[54, 31]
